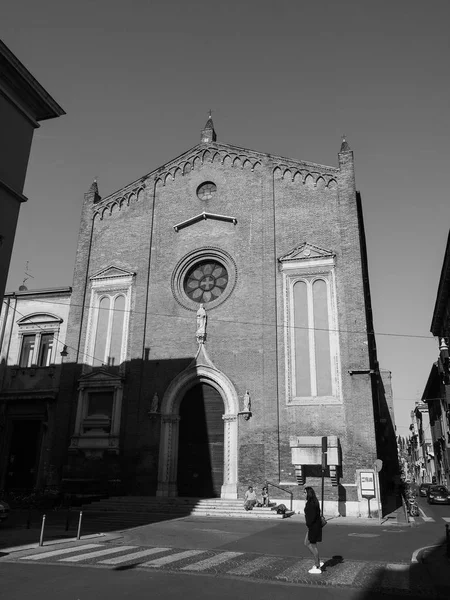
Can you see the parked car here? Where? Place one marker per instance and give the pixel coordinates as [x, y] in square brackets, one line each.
[438, 494]
[423, 488]
[4, 511]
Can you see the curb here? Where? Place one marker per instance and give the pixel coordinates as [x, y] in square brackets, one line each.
[55, 542]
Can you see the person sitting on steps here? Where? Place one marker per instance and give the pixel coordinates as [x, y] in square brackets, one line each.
[250, 498]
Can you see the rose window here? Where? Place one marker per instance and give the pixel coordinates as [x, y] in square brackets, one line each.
[206, 281]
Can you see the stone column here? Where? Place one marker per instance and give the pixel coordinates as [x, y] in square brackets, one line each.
[168, 456]
[229, 487]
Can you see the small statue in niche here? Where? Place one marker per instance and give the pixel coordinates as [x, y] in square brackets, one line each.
[154, 407]
[201, 324]
[247, 403]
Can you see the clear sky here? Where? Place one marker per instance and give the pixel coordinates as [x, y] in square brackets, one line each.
[137, 78]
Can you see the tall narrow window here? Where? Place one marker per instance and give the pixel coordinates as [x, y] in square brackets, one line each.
[109, 333]
[102, 330]
[311, 326]
[117, 330]
[322, 338]
[45, 350]
[301, 336]
[311, 336]
[109, 316]
[27, 351]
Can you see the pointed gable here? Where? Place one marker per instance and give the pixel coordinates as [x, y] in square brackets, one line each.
[111, 272]
[305, 252]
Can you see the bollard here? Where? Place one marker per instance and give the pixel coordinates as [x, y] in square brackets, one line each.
[447, 537]
[41, 539]
[79, 525]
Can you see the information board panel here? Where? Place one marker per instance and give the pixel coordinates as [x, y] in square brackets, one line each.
[367, 479]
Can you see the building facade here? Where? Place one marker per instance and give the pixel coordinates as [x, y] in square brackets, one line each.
[23, 104]
[220, 328]
[32, 329]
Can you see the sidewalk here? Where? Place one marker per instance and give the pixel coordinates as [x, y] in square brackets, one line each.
[14, 532]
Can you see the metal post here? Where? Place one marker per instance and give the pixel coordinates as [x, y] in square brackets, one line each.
[447, 537]
[324, 465]
[79, 525]
[41, 539]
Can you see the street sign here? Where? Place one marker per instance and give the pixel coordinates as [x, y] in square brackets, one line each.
[367, 484]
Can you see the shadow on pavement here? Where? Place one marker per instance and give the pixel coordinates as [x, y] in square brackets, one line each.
[24, 527]
[429, 578]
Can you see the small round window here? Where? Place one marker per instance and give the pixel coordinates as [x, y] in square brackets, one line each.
[206, 190]
[206, 281]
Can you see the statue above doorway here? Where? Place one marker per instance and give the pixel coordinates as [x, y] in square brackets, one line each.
[201, 325]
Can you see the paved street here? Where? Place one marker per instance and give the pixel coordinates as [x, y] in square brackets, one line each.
[363, 559]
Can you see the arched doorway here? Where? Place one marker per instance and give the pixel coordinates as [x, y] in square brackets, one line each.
[200, 471]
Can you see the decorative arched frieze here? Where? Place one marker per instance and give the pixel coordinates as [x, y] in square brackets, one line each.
[277, 173]
[309, 180]
[201, 370]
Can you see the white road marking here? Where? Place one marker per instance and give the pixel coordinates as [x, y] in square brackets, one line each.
[212, 561]
[166, 560]
[396, 576]
[253, 565]
[61, 551]
[446, 519]
[297, 571]
[425, 518]
[104, 552]
[121, 559]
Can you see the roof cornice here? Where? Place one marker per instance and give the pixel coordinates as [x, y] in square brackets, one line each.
[215, 147]
[16, 79]
[442, 296]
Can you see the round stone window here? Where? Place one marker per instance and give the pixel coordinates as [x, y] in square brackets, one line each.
[206, 275]
[206, 190]
[206, 281]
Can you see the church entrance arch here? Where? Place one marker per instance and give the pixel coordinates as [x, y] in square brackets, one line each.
[203, 397]
[200, 443]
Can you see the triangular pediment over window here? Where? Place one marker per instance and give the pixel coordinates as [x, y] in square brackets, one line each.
[307, 252]
[112, 272]
[99, 376]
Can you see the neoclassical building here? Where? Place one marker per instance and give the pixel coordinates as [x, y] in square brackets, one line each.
[220, 327]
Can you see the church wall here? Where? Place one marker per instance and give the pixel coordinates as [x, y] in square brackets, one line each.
[245, 336]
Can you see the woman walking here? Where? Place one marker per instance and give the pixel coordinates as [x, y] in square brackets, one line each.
[314, 525]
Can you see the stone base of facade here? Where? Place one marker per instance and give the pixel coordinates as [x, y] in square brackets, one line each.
[337, 509]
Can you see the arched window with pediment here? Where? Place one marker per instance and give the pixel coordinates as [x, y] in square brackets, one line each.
[38, 334]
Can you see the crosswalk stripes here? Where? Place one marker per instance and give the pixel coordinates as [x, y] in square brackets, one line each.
[51, 554]
[253, 565]
[166, 560]
[117, 560]
[447, 519]
[387, 576]
[214, 561]
[91, 555]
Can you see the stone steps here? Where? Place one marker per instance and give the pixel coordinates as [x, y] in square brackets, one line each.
[134, 508]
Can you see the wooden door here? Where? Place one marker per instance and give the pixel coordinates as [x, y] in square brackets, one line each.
[200, 447]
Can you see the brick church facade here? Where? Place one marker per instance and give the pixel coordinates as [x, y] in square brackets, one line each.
[220, 325]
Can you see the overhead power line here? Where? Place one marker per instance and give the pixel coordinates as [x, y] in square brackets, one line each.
[255, 323]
